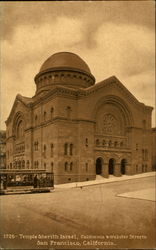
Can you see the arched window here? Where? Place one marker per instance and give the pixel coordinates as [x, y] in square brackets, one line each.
[45, 116]
[28, 164]
[121, 144]
[14, 164]
[52, 165]
[44, 151]
[19, 165]
[66, 166]
[86, 167]
[71, 166]
[36, 120]
[23, 164]
[143, 156]
[71, 149]
[115, 144]
[103, 143]
[86, 142]
[68, 109]
[144, 124]
[44, 165]
[10, 165]
[52, 149]
[146, 154]
[110, 143]
[52, 113]
[65, 148]
[20, 130]
[97, 142]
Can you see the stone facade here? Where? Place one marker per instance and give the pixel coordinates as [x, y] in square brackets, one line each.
[154, 149]
[76, 128]
[2, 149]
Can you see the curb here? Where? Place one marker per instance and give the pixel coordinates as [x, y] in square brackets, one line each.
[101, 183]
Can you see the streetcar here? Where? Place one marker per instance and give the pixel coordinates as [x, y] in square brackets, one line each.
[27, 181]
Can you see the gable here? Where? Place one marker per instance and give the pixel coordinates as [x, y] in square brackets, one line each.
[21, 104]
[114, 87]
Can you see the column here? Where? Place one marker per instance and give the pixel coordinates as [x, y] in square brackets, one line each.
[117, 169]
[105, 170]
[129, 170]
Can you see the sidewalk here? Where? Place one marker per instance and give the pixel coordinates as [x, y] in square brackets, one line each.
[66, 186]
[102, 180]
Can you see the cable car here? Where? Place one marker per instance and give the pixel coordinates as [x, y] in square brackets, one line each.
[25, 180]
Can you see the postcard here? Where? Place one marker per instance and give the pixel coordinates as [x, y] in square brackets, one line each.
[77, 132]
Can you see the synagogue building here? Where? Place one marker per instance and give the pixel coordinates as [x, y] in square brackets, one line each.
[78, 129]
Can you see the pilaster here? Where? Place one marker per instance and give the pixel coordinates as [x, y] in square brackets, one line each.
[105, 170]
[117, 170]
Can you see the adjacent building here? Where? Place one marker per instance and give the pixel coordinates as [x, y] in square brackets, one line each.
[153, 149]
[2, 149]
[76, 128]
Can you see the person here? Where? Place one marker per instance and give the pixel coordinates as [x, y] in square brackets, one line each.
[35, 181]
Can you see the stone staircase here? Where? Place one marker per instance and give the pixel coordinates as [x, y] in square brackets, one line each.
[99, 177]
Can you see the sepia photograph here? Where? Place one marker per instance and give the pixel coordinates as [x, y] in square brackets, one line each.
[77, 125]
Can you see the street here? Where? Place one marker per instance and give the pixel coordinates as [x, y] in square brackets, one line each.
[92, 217]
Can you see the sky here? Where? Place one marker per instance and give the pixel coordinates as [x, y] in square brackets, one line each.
[112, 37]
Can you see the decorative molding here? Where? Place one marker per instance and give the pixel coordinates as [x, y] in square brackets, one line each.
[62, 71]
[66, 77]
[59, 90]
[110, 150]
[54, 120]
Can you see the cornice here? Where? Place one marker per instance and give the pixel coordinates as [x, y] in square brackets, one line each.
[113, 150]
[138, 128]
[58, 119]
[111, 82]
[59, 90]
[64, 69]
[18, 154]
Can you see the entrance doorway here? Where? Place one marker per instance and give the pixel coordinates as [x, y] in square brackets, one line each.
[99, 162]
[111, 166]
[123, 166]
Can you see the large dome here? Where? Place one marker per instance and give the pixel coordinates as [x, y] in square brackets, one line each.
[66, 60]
[66, 69]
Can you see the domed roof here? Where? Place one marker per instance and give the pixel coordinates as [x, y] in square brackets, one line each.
[66, 69]
[65, 60]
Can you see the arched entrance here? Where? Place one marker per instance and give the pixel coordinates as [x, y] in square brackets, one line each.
[99, 162]
[111, 166]
[123, 166]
